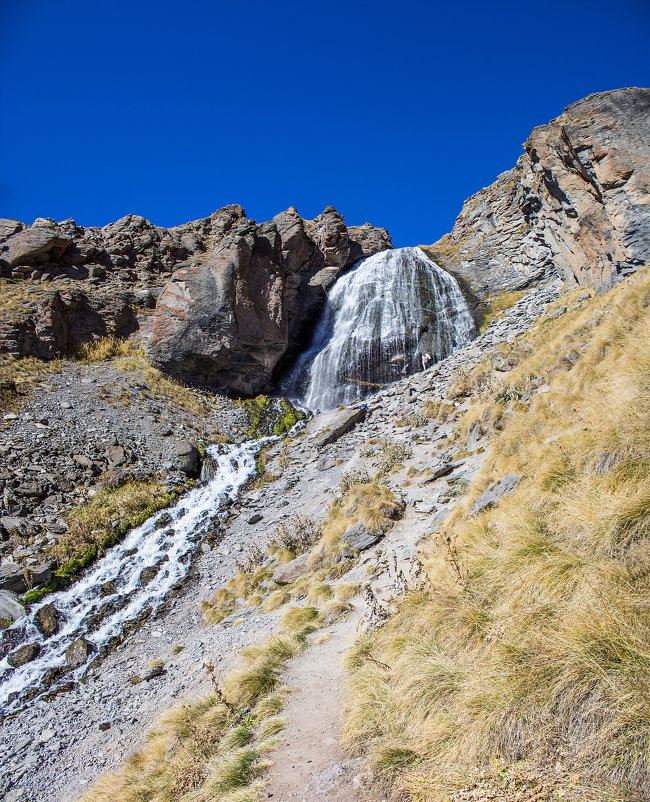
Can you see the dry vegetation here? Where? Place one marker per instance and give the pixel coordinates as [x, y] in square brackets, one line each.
[213, 749]
[129, 358]
[109, 514]
[532, 652]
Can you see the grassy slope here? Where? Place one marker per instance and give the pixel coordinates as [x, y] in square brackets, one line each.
[536, 651]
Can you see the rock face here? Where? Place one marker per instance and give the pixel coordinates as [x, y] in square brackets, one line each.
[231, 297]
[576, 205]
[227, 318]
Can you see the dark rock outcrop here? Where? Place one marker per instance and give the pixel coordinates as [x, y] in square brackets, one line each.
[229, 316]
[576, 205]
[231, 297]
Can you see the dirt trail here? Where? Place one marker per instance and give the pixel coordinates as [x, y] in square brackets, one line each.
[310, 763]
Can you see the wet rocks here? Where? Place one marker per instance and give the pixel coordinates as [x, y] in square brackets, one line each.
[147, 575]
[47, 620]
[24, 654]
[78, 652]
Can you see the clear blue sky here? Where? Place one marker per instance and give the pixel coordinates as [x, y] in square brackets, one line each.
[394, 112]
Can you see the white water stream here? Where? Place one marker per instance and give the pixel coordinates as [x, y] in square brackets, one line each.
[167, 548]
[395, 313]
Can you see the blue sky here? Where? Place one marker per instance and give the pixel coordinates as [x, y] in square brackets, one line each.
[392, 112]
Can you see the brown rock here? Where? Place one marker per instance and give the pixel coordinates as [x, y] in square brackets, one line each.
[47, 620]
[576, 204]
[78, 652]
[24, 654]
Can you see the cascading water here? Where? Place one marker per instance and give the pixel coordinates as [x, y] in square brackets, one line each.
[166, 549]
[395, 313]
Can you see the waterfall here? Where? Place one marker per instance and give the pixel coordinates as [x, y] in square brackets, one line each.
[395, 313]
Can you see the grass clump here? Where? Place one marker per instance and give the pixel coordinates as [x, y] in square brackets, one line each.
[105, 518]
[99, 524]
[531, 647]
[211, 750]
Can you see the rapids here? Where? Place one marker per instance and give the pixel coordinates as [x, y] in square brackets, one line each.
[165, 548]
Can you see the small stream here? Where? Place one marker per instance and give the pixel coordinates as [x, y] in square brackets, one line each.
[164, 546]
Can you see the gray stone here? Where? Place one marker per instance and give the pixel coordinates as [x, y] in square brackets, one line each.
[492, 495]
[11, 607]
[20, 579]
[339, 426]
[255, 519]
[186, 458]
[360, 537]
[292, 571]
[325, 463]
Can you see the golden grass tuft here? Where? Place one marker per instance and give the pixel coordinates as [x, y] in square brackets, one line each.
[110, 512]
[538, 648]
[210, 751]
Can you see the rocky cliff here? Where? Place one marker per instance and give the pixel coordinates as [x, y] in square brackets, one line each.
[219, 301]
[577, 203]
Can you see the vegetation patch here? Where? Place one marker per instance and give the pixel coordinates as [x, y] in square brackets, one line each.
[267, 416]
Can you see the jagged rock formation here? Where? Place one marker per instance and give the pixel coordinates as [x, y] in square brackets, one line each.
[228, 317]
[577, 204]
[231, 297]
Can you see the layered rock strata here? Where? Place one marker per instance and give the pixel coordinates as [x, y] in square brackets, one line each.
[576, 205]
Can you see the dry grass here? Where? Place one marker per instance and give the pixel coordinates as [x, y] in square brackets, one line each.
[540, 653]
[108, 515]
[18, 297]
[129, 358]
[211, 750]
[18, 376]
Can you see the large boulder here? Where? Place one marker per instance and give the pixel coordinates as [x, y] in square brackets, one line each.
[78, 652]
[292, 571]
[186, 458]
[19, 579]
[47, 620]
[222, 319]
[339, 425]
[23, 654]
